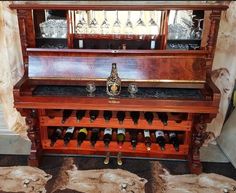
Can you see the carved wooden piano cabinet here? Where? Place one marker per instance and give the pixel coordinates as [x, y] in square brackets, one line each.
[174, 81]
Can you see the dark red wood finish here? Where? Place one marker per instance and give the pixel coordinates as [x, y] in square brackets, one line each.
[148, 68]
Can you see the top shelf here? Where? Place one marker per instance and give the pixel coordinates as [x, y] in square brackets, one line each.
[120, 5]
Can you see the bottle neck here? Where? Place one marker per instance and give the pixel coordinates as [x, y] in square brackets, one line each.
[114, 70]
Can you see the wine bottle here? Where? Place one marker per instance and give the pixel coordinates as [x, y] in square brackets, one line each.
[134, 138]
[82, 134]
[135, 116]
[94, 136]
[68, 135]
[174, 140]
[56, 135]
[107, 115]
[160, 139]
[147, 139]
[113, 85]
[120, 136]
[107, 136]
[119, 160]
[93, 115]
[80, 114]
[107, 159]
[163, 117]
[149, 117]
[65, 115]
[120, 116]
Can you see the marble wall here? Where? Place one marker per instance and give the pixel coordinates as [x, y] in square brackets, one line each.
[223, 73]
[11, 68]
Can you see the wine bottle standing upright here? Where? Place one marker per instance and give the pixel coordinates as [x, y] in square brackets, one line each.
[134, 138]
[65, 115]
[160, 139]
[113, 85]
[147, 139]
[120, 136]
[93, 115]
[107, 136]
[107, 115]
[82, 134]
[68, 135]
[80, 114]
[174, 140]
[135, 116]
[120, 116]
[56, 135]
[149, 117]
[163, 117]
[94, 136]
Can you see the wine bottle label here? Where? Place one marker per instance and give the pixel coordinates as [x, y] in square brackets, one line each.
[70, 129]
[121, 131]
[159, 133]
[113, 88]
[172, 134]
[146, 133]
[108, 131]
[83, 130]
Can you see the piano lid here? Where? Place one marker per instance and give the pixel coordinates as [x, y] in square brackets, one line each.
[136, 67]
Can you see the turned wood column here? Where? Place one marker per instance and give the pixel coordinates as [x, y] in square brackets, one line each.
[27, 32]
[212, 37]
[33, 134]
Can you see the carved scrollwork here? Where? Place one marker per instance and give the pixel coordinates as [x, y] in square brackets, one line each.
[32, 122]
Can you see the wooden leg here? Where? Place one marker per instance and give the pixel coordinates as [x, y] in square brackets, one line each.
[32, 122]
[198, 137]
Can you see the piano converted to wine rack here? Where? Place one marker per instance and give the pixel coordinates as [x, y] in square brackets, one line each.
[173, 81]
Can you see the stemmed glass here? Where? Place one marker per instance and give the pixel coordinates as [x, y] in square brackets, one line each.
[105, 25]
[197, 32]
[152, 24]
[140, 24]
[132, 89]
[90, 88]
[117, 24]
[128, 25]
[81, 25]
[93, 24]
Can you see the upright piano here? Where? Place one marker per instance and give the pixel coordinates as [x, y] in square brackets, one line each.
[172, 77]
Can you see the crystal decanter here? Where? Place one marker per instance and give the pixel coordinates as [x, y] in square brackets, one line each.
[113, 82]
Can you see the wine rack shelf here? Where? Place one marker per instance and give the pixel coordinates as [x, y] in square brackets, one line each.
[56, 117]
[113, 147]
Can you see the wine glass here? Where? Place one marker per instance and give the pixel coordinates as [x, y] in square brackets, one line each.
[129, 25]
[90, 88]
[117, 24]
[93, 24]
[197, 32]
[141, 28]
[105, 25]
[132, 89]
[81, 25]
[152, 24]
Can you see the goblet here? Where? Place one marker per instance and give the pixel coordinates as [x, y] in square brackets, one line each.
[117, 24]
[90, 88]
[132, 89]
[128, 25]
[141, 28]
[105, 24]
[93, 24]
[197, 32]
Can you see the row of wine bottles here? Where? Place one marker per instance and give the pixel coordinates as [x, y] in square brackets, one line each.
[120, 137]
[121, 115]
